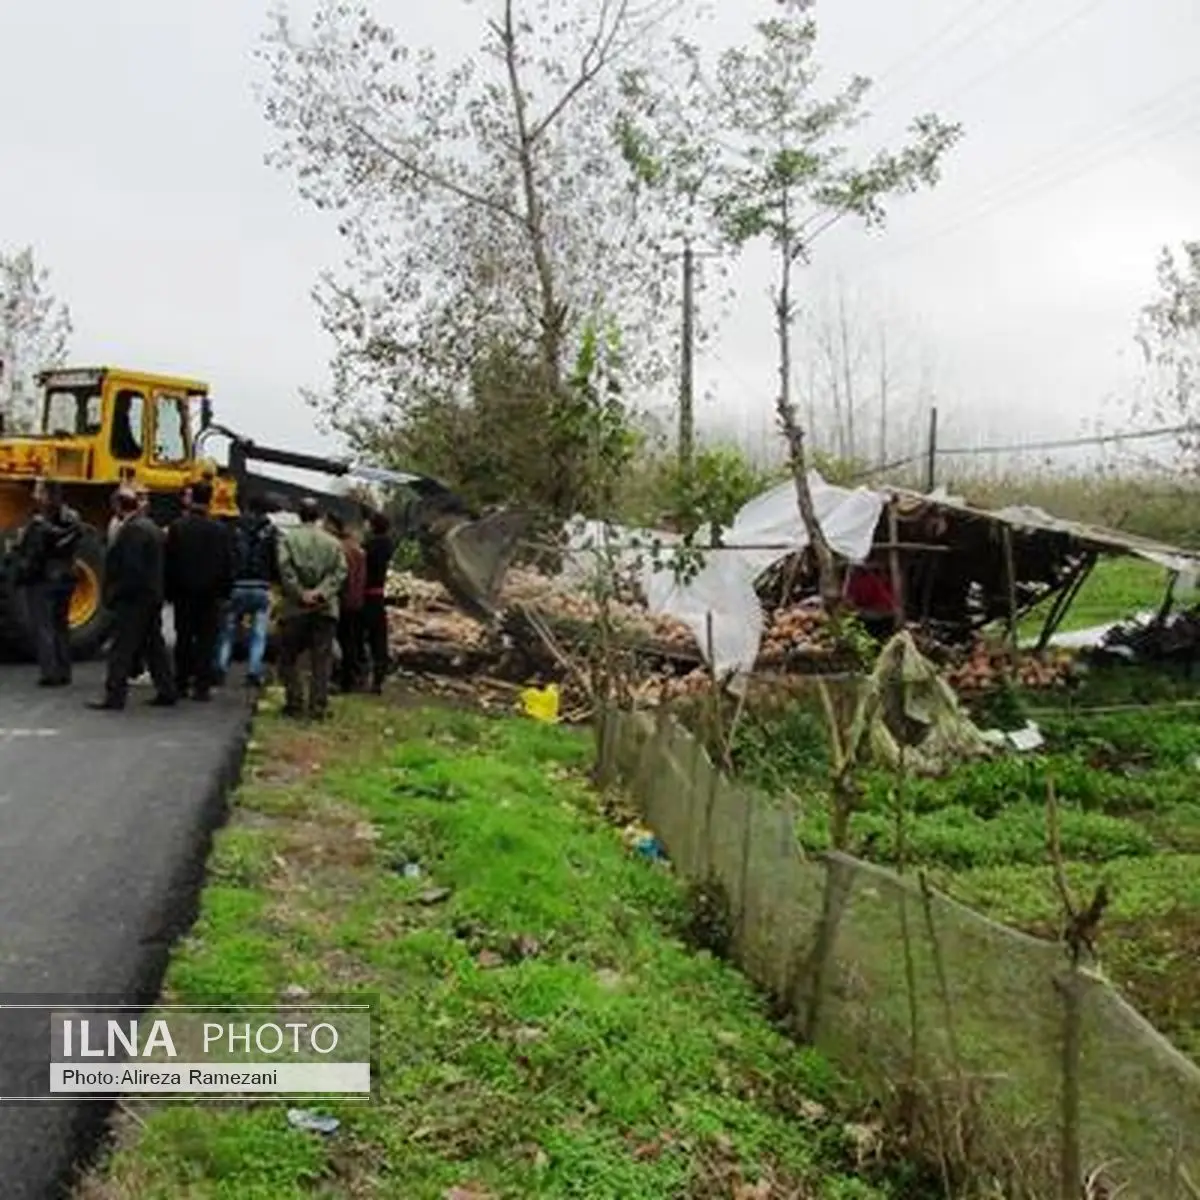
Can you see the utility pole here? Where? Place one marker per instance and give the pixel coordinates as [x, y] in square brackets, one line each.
[931, 465]
[687, 398]
[883, 396]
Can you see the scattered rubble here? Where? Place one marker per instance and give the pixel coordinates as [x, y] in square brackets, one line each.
[551, 631]
[1173, 639]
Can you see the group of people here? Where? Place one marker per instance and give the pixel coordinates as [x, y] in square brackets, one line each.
[214, 574]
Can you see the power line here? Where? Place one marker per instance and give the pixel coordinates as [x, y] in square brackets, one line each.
[1040, 187]
[1085, 141]
[1020, 52]
[1095, 439]
[933, 39]
[900, 67]
[1048, 172]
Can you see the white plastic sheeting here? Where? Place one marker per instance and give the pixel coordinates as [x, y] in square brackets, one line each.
[719, 601]
[380, 474]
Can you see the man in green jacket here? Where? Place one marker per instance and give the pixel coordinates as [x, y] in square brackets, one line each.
[312, 569]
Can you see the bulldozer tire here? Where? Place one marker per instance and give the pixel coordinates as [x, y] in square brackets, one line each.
[90, 621]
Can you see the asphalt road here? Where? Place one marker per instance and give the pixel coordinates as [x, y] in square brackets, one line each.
[104, 824]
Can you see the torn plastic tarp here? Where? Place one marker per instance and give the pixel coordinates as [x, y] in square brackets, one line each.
[765, 530]
[908, 715]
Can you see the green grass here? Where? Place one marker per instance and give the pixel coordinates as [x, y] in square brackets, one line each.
[1117, 589]
[545, 1030]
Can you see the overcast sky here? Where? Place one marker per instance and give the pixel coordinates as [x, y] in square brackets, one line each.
[131, 157]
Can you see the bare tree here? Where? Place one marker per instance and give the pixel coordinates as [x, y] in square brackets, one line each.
[35, 330]
[868, 408]
[1169, 336]
[479, 199]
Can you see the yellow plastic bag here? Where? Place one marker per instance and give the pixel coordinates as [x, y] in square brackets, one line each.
[541, 703]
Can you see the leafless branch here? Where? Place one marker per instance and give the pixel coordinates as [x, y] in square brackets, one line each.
[605, 48]
[422, 172]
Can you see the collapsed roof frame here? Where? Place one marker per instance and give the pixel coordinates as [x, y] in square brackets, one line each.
[1026, 535]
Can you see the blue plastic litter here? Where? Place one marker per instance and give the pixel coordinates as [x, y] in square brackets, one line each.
[652, 848]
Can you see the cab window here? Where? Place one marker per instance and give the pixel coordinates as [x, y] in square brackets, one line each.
[62, 410]
[71, 413]
[170, 430]
[129, 412]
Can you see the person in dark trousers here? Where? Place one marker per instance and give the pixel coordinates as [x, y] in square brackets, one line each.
[143, 510]
[256, 548]
[379, 549]
[350, 606]
[312, 571]
[133, 593]
[45, 556]
[199, 574]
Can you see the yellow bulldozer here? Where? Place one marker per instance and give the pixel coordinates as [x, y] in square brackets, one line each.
[102, 427]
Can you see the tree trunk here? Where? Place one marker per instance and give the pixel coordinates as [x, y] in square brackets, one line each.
[792, 432]
[883, 397]
[552, 316]
[851, 448]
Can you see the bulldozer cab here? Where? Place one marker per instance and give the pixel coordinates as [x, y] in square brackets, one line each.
[98, 428]
[107, 427]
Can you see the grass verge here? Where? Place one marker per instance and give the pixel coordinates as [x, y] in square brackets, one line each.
[545, 1030]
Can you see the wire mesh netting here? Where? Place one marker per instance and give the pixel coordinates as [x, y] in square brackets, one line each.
[965, 1026]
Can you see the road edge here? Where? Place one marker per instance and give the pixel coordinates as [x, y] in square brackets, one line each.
[90, 1133]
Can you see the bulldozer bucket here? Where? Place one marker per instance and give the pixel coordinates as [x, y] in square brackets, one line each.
[472, 559]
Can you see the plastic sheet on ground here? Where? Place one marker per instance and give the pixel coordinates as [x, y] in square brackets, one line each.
[908, 714]
[719, 602]
[1024, 740]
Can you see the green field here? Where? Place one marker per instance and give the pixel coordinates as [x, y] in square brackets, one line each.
[1128, 788]
[546, 1031]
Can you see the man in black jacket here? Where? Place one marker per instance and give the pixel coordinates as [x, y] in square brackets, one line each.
[133, 592]
[380, 548]
[46, 567]
[256, 545]
[199, 579]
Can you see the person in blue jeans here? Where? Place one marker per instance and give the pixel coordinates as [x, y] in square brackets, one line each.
[255, 541]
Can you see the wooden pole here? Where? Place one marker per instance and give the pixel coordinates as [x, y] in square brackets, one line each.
[931, 462]
[1168, 601]
[1063, 602]
[894, 562]
[1071, 1150]
[1010, 576]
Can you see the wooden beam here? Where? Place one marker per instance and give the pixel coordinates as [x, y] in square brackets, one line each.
[1064, 600]
[894, 562]
[1168, 602]
[1010, 574]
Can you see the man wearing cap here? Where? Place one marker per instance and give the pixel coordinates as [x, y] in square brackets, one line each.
[312, 570]
[117, 518]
